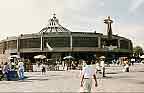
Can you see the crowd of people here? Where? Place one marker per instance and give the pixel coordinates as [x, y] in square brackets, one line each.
[12, 71]
[89, 69]
[9, 69]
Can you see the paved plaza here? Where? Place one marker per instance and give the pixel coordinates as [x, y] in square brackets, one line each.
[69, 81]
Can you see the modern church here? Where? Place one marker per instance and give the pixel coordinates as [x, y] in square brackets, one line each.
[55, 42]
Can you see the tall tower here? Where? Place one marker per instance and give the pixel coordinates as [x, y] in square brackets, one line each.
[108, 21]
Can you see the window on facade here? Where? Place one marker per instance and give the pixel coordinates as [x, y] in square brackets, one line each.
[85, 42]
[57, 41]
[30, 43]
[124, 44]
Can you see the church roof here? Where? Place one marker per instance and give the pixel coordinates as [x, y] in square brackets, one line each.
[54, 26]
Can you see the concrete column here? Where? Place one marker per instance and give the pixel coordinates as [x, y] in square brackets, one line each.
[41, 47]
[118, 43]
[99, 42]
[71, 41]
[18, 45]
[129, 45]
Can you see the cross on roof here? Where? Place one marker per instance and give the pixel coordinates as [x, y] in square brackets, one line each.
[54, 15]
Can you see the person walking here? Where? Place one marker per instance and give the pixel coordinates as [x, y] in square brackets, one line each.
[1, 73]
[43, 68]
[102, 64]
[126, 67]
[21, 70]
[86, 79]
[5, 71]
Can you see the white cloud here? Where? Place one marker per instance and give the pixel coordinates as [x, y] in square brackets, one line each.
[30, 16]
[101, 4]
[135, 5]
[133, 32]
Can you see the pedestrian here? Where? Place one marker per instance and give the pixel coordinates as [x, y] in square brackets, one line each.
[98, 69]
[126, 67]
[1, 74]
[21, 70]
[86, 79]
[132, 61]
[102, 64]
[5, 71]
[43, 68]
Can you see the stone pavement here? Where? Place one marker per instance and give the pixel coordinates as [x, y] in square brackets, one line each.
[68, 81]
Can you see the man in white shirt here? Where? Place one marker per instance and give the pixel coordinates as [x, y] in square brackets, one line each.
[21, 70]
[86, 80]
[102, 64]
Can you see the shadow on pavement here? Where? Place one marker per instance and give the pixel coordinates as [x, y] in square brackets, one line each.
[112, 73]
[107, 77]
[24, 81]
[56, 75]
[142, 82]
[38, 79]
[117, 77]
[140, 71]
[30, 79]
[37, 76]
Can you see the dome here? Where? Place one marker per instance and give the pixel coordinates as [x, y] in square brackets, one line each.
[54, 26]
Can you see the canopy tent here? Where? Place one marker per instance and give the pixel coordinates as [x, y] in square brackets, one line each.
[142, 56]
[40, 57]
[14, 56]
[68, 57]
[102, 57]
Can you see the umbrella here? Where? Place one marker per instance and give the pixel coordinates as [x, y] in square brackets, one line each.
[49, 59]
[14, 56]
[40, 57]
[142, 56]
[68, 57]
[102, 57]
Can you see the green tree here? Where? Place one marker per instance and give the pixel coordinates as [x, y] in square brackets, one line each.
[137, 51]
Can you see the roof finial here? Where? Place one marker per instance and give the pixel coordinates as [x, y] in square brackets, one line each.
[54, 15]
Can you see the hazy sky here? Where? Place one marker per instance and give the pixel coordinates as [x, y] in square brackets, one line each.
[30, 16]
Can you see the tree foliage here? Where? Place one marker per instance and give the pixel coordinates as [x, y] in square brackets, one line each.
[137, 51]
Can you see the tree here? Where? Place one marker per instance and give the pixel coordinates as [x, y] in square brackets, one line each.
[137, 51]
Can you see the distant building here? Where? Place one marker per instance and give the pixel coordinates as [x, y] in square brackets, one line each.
[56, 41]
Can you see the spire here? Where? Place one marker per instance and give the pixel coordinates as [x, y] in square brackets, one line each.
[54, 26]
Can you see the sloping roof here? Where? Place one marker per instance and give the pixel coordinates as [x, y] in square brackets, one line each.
[54, 26]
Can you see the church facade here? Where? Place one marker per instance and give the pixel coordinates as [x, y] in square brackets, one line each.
[56, 42]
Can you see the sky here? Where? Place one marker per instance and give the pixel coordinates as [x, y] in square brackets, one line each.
[30, 16]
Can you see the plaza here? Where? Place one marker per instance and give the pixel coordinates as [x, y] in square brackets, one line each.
[69, 81]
